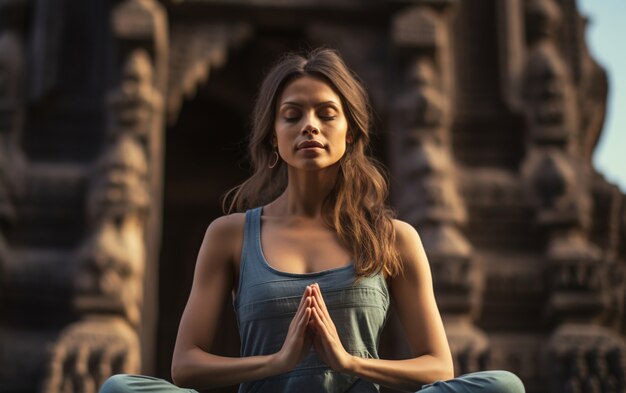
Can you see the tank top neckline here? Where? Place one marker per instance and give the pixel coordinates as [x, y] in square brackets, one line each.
[258, 212]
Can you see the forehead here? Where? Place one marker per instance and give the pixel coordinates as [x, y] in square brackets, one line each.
[308, 89]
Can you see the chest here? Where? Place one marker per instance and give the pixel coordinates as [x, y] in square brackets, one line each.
[302, 247]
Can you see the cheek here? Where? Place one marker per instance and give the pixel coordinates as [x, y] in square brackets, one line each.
[283, 144]
[280, 134]
[340, 144]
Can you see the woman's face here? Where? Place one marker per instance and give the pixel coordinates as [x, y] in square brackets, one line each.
[311, 127]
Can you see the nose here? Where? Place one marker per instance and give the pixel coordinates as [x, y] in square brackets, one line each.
[308, 129]
[310, 126]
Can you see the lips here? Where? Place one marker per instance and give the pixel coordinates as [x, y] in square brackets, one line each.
[310, 144]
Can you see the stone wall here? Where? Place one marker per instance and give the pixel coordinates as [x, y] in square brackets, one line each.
[487, 114]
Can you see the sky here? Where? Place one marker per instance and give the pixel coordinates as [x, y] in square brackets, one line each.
[605, 37]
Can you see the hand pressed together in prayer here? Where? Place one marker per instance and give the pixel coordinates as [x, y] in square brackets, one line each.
[298, 340]
[312, 325]
[325, 337]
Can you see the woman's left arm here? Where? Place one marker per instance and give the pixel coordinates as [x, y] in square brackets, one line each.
[413, 293]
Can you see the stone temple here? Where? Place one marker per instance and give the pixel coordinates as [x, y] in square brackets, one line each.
[123, 122]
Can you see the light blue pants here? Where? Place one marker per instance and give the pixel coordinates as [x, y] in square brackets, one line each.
[480, 382]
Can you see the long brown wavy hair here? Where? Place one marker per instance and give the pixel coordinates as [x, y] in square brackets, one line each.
[356, 207]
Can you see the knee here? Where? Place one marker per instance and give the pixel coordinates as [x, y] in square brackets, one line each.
[500, 381]
[118, 383]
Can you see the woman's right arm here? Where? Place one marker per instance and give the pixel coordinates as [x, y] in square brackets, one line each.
[192, 364]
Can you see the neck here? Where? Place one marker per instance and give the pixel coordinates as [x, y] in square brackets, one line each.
[306, 192]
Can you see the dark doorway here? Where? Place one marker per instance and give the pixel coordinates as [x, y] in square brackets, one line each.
[205, 157]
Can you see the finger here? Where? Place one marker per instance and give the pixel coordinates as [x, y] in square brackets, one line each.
[320, 312]
[303, 300]
[301, 318]
[306, 303]
[325, 312]
[319, 323]
[320, 299]
[304, 321]
[305, 294]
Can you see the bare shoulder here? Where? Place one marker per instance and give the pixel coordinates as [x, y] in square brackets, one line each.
[222, 240]
[227, 226]
[409, 247]
[406, 235]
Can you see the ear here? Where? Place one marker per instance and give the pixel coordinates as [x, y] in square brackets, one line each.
[273, 140]
[349, 138]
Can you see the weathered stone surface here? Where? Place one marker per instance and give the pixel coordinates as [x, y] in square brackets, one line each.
[89, 351]
[488, 114]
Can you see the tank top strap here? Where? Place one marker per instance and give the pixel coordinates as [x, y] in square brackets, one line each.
[251, 234]
[248, 264]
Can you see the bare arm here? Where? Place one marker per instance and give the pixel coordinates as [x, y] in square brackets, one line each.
[415, 300]
[192, 364]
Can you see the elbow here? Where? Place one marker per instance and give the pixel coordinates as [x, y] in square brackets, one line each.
[447, 374]
[446, 371]
[186, 371]
[441, 370]
[178, 373]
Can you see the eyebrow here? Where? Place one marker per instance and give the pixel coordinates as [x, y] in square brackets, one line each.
[320, 104]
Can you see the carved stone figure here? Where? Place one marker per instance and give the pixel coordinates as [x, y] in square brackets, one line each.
[587, 359]
[428, 197]
[135, 103]
[560, 190]
[487, 114]
[120, 185]
[11, 101]
[109, 276]
[90, 351]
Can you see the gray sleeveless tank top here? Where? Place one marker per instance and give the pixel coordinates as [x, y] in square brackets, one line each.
[267, 300]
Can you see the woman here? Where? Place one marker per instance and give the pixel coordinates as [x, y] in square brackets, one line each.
[313, 267]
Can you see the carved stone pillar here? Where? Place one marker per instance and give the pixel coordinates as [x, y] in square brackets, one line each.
[116, 266]
[586, 356]
[426, 192]
[12, 96]
[14, 343]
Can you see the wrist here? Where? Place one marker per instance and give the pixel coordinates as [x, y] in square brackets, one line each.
[352, 366]
[275, 364]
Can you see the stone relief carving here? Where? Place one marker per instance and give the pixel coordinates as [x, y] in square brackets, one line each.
[110, 264]
[561, 92]
[88, 352]
[110, 270]
[593, 92]
[587, 359]
[12, 162]
[11, 112]
[135, 103]
[196, 50]
[586, 356]
[120, 187]
[428, 197]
